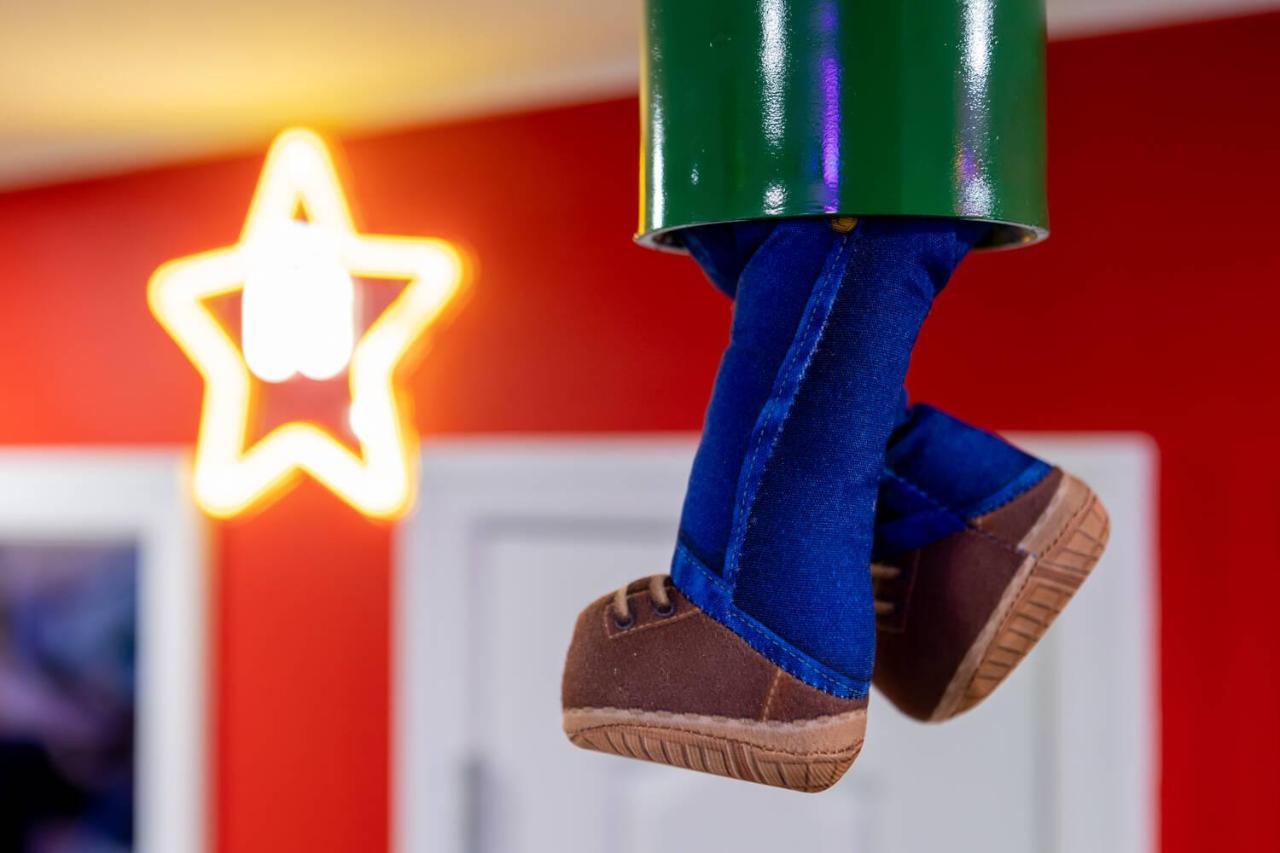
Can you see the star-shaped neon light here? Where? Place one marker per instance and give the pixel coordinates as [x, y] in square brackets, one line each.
[299, 175]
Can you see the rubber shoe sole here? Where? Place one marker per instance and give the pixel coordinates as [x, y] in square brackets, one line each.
[808, 755]
[1063, 547]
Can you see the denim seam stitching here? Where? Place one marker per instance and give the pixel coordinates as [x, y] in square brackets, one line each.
[968, 525]
[786, 384]
[683, 540]
[1013, 497]
[759, 637]
[920, 491]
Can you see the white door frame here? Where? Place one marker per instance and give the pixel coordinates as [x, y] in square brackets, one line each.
[142, 497]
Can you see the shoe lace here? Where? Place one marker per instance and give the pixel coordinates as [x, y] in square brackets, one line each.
[662, 603]
[622, 615]
[880, 576]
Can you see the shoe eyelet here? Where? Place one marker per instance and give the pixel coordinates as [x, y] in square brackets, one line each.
[623, 624]
[665, 612]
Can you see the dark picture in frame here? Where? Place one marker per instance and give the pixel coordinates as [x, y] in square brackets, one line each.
[68, 696]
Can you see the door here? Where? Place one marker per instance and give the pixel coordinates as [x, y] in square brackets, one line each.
[511, 539]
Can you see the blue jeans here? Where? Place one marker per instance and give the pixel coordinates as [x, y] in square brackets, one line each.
[940, 473]
[779, 522]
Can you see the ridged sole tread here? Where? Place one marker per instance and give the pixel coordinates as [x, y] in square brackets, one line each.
[1054, 579]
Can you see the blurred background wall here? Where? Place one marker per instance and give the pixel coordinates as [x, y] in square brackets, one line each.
[1153, 308]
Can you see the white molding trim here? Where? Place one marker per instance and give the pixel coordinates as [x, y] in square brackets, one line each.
[142, 496]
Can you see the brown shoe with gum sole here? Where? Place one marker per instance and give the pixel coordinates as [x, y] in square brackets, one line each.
[650, 676]
[956, 617]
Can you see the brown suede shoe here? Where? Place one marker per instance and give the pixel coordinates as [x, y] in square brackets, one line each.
[650, 676]
[954, 618]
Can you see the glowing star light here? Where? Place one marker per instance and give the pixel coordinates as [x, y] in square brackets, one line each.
[297, 283]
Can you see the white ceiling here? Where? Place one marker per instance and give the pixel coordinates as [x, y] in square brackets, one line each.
[90, 86]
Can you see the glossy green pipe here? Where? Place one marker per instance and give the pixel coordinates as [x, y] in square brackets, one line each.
[761, 108]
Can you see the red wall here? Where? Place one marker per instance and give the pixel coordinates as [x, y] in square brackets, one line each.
[1154, 307]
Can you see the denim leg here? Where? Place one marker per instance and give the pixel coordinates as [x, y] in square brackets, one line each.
[939, 474]
[823, 330]
[723, 250]
[777, 276]
[939, 471]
